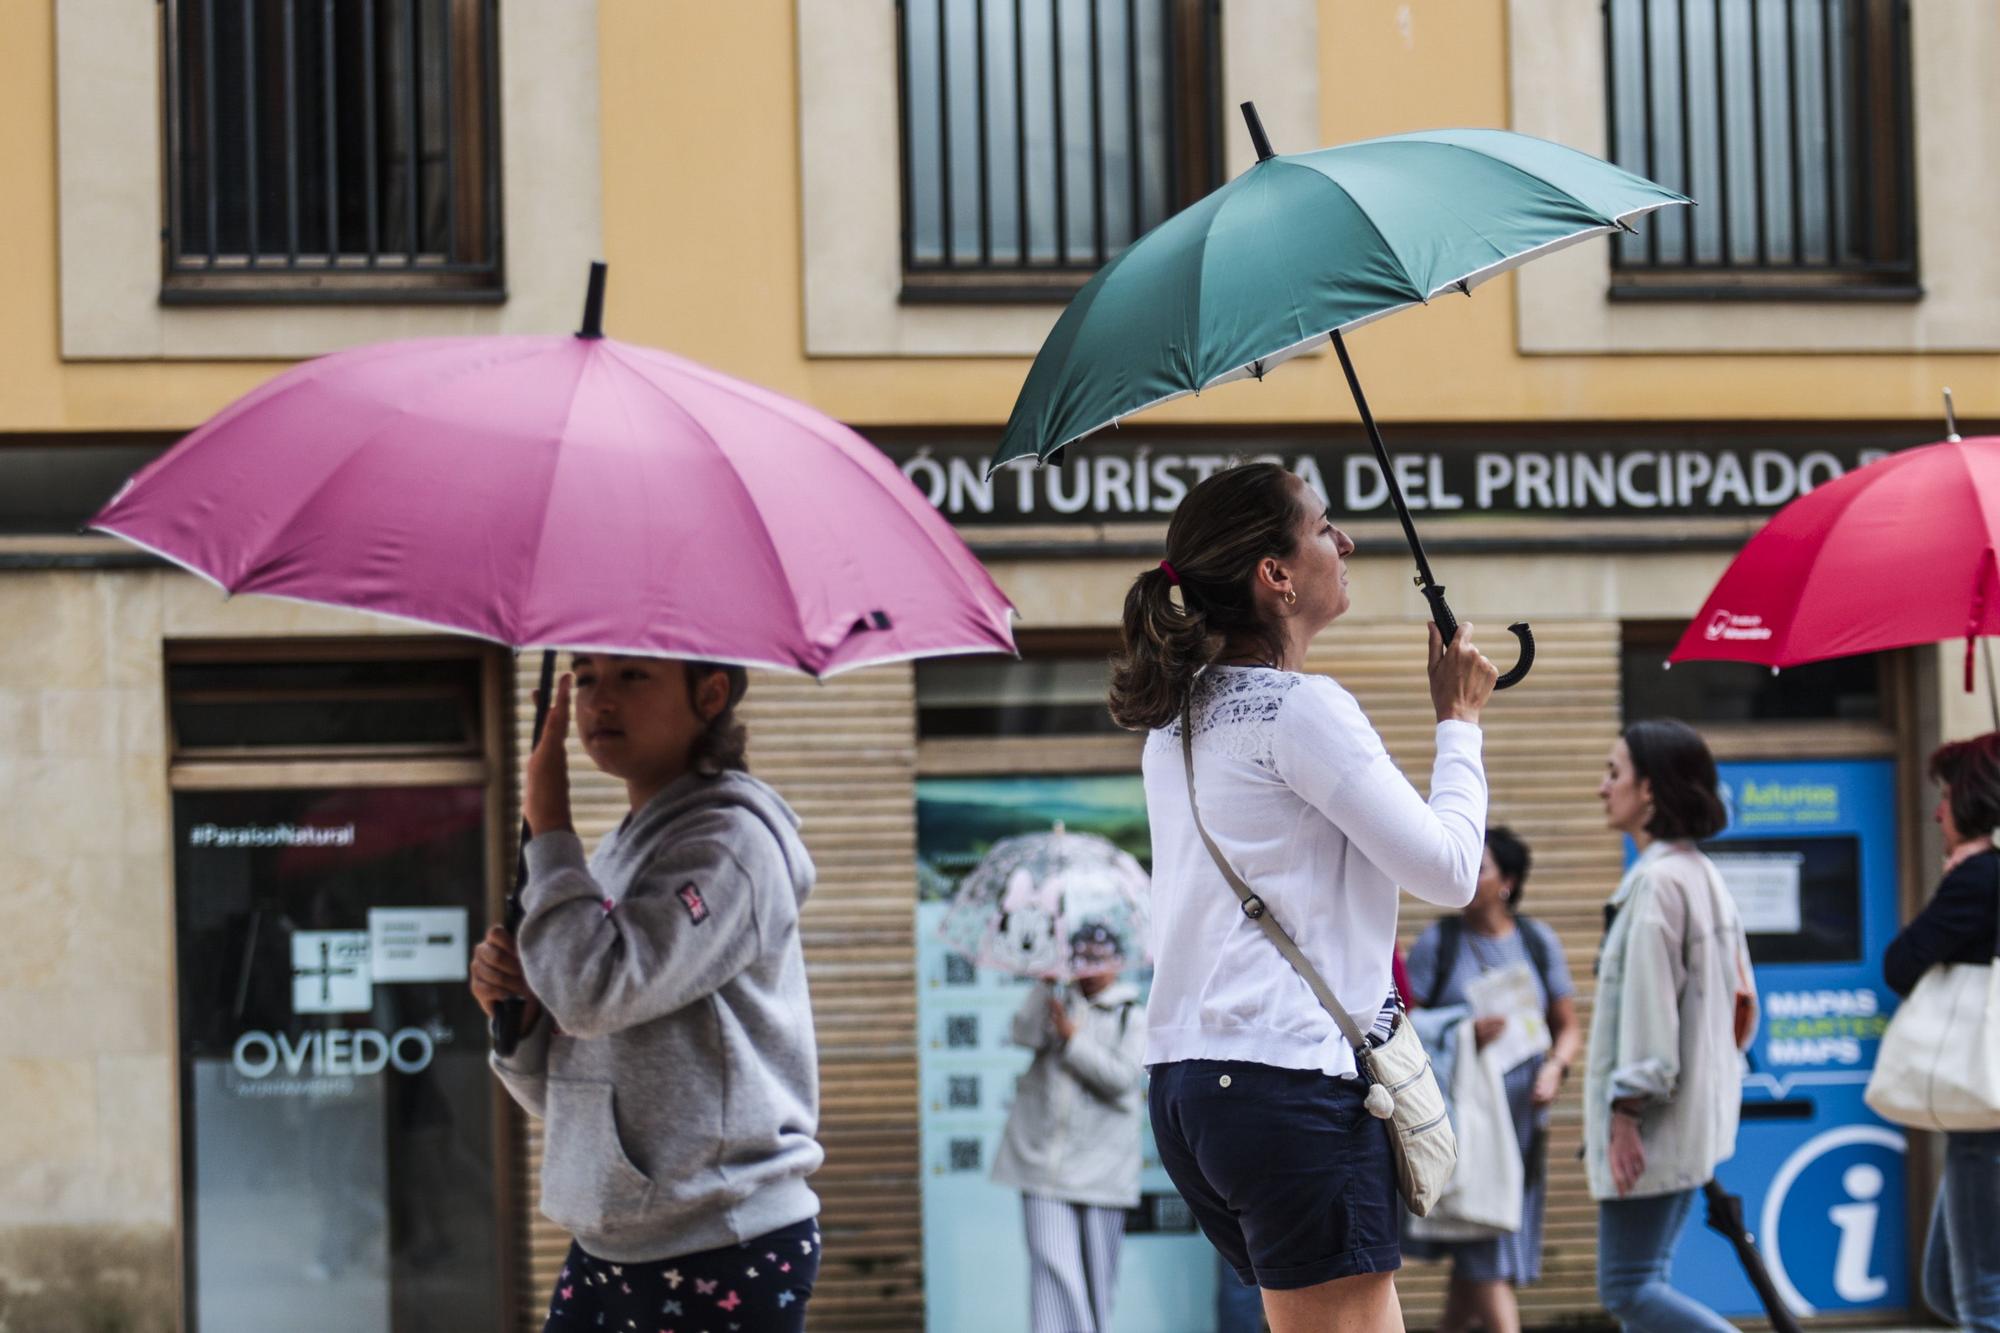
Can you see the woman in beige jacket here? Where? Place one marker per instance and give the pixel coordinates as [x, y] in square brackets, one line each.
[1675, 1007]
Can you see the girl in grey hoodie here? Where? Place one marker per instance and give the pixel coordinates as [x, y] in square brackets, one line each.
[668, 1042]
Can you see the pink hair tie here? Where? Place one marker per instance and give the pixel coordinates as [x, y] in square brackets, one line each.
[1172, 577]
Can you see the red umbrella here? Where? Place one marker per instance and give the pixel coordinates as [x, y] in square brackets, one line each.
[1896, 553]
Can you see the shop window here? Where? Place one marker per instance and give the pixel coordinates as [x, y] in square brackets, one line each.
[340, 1138]
[322, 151]
[1790, 122]
[253, 707]
[991, 696]
[1845, 689]
[1040, 138]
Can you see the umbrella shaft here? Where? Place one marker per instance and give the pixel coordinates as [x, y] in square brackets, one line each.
[1382, 458]
[505, 1026]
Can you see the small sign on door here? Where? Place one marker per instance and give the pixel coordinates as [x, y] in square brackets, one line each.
[330, 972]
[417, 943]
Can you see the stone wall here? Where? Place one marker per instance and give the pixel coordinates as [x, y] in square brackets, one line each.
[88, 1142]
[87, 1161]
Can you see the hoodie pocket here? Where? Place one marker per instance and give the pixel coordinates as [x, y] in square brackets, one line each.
[587, 1179]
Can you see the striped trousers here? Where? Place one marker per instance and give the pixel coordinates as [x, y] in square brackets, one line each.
[1072, 1264]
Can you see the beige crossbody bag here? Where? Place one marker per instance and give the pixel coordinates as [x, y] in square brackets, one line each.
[1402, 1090]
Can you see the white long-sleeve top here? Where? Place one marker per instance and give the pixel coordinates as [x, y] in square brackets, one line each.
[1309, 809]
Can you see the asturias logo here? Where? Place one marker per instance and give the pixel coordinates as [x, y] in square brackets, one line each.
[1729, 625]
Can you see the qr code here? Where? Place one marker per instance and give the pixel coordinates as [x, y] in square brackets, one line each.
[961, 1030]
[958, 970]
[965, 1154]
[1171, 1213]
[963, 1092]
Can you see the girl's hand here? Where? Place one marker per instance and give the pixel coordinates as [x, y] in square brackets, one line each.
[1059, 1019]
[497, 975]
[1628, 1154]
[545, 779]
[1548, 1083]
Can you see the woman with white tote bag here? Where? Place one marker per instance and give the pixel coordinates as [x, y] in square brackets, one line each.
[1962, 1259]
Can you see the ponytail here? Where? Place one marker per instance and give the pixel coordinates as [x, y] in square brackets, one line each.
[724, 739]
[1166, 647]
[1226, 525]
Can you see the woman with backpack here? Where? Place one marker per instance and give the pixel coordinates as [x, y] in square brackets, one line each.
[1259, 1116]
[1488, 935]
[1071, 1145]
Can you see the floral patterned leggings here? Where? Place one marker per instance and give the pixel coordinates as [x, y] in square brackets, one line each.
[760, 1286]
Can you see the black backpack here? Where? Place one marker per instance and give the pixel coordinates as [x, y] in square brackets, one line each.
[1450, 928]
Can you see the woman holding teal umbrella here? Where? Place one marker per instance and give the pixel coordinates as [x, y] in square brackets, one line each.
[1256, 1107]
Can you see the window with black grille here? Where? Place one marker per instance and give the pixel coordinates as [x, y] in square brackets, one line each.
[1040, 137]
[1789, 123]
[332, 149]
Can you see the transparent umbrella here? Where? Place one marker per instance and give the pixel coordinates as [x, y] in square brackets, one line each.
[1055, 905]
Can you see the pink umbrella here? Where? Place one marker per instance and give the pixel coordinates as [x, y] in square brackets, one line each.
[1896, 553]
[568, 492]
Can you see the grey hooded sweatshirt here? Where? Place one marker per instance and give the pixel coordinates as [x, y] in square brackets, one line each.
[680, 1083]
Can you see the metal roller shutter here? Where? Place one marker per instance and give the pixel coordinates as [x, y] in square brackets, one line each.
[1545, 745]
[844, 754]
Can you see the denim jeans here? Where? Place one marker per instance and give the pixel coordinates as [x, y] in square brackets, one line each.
[1962, 1257]
[1238, 1309]
[1635, 1247]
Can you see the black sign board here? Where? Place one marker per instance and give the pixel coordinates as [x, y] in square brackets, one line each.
[1139, 476]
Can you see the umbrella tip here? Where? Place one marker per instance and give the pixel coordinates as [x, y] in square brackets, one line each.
[593, 303]
[1951, 434]
[1257, 136]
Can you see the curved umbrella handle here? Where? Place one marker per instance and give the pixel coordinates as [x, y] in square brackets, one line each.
[1447, 625]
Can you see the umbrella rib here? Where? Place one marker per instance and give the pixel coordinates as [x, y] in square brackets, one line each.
[549, 489]
[1609, 222]
[763, 530]
[1540, 181]
[1408, 281]
[395, 418]
[733, 388]
[1283, 353]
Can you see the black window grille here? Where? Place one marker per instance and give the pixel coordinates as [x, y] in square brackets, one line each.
[1040, 137]
[1789, 122]
[332, 149]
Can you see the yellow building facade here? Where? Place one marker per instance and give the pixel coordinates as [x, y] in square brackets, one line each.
[746, 171]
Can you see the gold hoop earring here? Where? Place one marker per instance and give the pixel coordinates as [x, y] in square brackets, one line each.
[1291, 598]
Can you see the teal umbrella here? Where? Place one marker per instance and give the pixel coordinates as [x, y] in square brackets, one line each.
[1295, 252]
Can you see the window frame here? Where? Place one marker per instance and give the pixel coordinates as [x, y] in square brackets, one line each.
[472, 117]
[490, 766]
[1889, 131]
[1061, 753]
[1194, 137]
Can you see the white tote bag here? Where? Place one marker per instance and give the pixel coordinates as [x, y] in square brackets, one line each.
[1939, 1063]
[1483, 1199]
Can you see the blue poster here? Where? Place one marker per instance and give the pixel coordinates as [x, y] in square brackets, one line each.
[1810, 856]
[975, 1254]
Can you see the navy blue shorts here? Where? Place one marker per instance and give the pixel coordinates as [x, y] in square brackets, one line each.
[1290, 1177]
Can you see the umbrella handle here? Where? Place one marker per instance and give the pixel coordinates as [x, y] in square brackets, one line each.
[1447, 624]
[505, 1026]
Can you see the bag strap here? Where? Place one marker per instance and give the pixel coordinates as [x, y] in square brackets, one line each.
[1536, 945]
[1449, 929]
[1253, 906]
